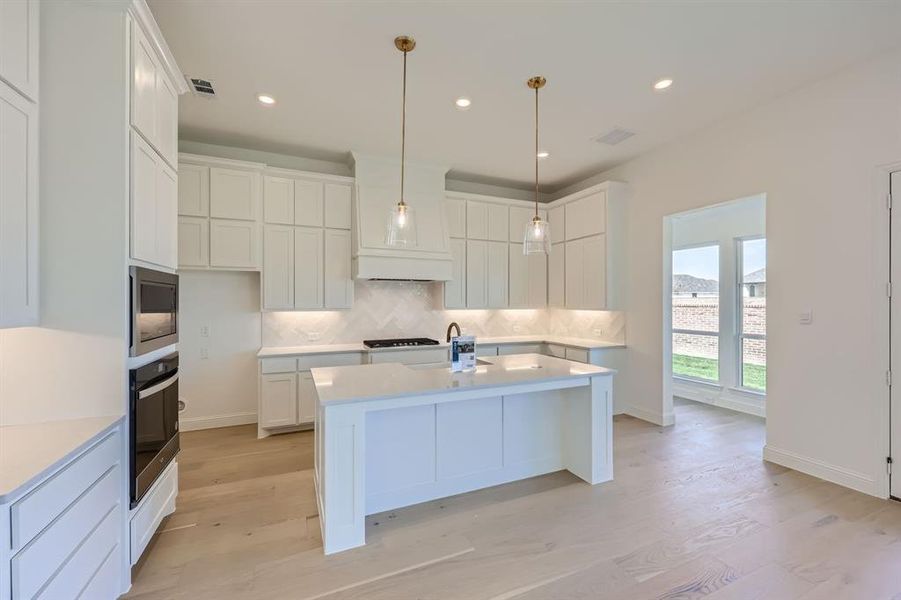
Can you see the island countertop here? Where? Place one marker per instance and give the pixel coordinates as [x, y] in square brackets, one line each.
[358, 383]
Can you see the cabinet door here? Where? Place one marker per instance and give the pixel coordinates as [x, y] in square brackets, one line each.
[306, 398]
[575, 268]
[308, 245]
[586, 216]
[166, 138]
[557, 219]
[143, 87]
[166, 216]
[537, 280]
[278, 267]
[556, 276]
[278, 400]
[18, 209]
[455, 209]
[233, 244]
[193, 242]
[594, 273]
[338, 284]
[337, 205]
[278, 200]
[476, 220]
[476, 274]
[19, 45]
[497, 274]
[233, 194]
[143, 200]
[308, 203]
[455, 289]
[519, 277]
[193, 190]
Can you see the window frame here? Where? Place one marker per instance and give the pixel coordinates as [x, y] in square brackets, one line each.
[740, 335]
[717, 334]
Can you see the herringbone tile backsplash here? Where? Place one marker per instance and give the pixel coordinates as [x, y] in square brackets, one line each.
[387, 309]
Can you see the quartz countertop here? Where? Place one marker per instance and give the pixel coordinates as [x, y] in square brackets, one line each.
[359, 383]
[29, 452]
[572, 342]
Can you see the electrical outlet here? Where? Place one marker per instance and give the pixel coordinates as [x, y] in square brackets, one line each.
[204, 353]
[314, 336]
[598, 332]
[517, 328]
[205, 331]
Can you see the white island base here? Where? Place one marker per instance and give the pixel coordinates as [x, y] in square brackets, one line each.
[389, 436]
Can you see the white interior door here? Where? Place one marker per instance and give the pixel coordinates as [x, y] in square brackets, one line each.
[896, 333]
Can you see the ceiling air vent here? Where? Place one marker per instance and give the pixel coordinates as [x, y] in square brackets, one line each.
[202, 87]
[614, 136]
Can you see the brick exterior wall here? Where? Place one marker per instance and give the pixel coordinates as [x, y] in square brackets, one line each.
[702, 314]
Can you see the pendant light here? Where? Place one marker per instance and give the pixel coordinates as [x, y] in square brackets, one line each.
[537, 236]
[401, 231]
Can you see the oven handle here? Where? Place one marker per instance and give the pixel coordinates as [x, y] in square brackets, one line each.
[157, 387]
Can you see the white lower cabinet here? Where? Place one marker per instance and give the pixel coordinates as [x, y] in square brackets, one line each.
[233, 244]
[279, 400]
[306, 398]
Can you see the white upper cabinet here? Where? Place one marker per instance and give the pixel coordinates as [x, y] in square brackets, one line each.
[497, 274]
[486, 274]
[154, 98]
[557, 220]
[586, 277]
[278, 200]
[456, 217]
[308, 198]
[278, 266]
[528, 279]
[193, 242]
[520, 218]
[586, 216]
[338, 198]
[486, 221]
[233, 244]
[338, 285]
[234, 193]
[154, 207]
[308, 267]
[19, 21]
[455, 289]
[556, 279]
[18, 207]
[193, 190]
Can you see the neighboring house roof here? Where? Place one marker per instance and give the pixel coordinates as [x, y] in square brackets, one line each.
[758, 276]
[689, 284]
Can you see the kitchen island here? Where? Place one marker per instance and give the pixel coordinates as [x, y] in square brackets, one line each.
[389, 435]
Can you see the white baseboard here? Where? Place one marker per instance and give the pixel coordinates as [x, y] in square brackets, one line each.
[195, 423]
[661, 419]
[821, 470]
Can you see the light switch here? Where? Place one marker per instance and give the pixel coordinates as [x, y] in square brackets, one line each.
[205, 331]
[204, 353]
[805, 317]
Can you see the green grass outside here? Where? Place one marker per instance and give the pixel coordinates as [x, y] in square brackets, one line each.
[708, 368]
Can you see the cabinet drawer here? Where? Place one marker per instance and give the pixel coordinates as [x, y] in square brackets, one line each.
[555, 350]
[278, 365]
[86, 560]
[410, 357]
[158, 502]
[37, 562]
[520, 349]
[486, 349]
[329, 360]
[46, 502]
[577, 355]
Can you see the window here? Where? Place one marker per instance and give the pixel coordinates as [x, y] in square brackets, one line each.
[752, 313]
[696, 312]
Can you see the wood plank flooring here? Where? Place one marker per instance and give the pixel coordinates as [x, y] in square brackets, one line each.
[693, 512]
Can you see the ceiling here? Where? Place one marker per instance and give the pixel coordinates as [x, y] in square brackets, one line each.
[336, 75]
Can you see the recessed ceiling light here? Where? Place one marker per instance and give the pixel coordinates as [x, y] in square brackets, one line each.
[463, 103]
[662, 84]
[265, 99]
[543, 154]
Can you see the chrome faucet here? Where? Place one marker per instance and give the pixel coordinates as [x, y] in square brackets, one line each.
[450, 327]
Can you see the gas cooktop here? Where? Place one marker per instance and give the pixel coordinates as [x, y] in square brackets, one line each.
[400, 342]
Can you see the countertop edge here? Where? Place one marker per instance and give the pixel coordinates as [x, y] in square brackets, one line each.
[11, 493]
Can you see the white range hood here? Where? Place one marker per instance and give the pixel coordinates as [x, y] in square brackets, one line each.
[377, 191]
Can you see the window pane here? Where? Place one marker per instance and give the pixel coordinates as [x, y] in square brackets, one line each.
[753, 317]
[696, 356]
[696, 289]
[753, 364]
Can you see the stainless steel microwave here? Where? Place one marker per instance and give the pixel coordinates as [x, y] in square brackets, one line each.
[154, 310]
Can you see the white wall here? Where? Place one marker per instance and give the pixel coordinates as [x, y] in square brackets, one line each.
[815, 154]
[74, 364]
[219, 390]
[721, 225]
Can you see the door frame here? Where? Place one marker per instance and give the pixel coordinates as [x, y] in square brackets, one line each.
[883, 308]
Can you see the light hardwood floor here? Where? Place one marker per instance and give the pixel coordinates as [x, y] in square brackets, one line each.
[693, 512]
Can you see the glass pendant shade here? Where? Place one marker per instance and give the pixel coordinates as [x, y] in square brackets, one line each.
[401, 230]
[537, 238]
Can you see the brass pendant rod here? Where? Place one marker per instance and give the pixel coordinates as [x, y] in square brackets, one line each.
[536, 152]
[403, 131]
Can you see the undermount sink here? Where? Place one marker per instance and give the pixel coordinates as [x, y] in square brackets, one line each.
[442, 365]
